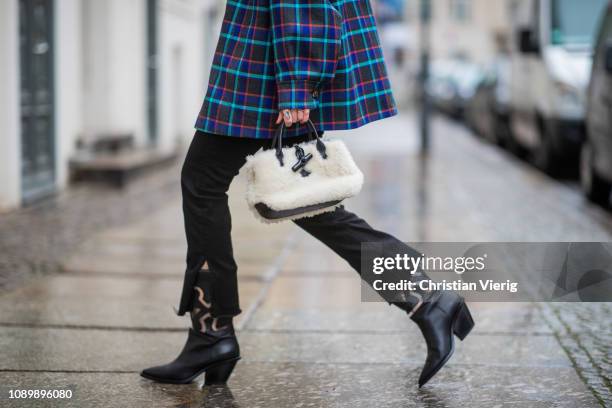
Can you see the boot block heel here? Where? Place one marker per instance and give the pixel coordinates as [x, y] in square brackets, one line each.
[463, 323]
[220, 373]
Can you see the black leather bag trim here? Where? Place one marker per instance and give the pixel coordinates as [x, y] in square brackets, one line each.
[271, 214]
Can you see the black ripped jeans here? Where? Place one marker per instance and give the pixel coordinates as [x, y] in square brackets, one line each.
[211, 164]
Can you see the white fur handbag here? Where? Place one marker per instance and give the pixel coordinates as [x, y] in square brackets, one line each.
[303, 180]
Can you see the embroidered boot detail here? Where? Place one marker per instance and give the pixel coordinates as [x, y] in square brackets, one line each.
[201, 317]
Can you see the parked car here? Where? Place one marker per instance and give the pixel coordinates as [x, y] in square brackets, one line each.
[452, 83]
[440, 86]
[480, 109]
[550, 71]
[487, 111]
[596, 155]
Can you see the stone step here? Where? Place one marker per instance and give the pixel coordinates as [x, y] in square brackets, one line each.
[118, 168]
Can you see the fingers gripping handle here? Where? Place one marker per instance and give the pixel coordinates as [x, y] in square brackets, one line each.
[277, 141]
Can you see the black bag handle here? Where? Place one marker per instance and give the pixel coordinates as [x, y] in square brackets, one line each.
[277, 141]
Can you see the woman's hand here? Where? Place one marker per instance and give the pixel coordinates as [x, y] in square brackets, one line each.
[291, 116]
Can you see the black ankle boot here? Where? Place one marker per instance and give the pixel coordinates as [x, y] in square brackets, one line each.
[211, 346]
[440, 315]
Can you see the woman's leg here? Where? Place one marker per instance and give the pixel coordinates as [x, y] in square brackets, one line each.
[438, 314]
[344, 232]
[210, 294]
[211, 164]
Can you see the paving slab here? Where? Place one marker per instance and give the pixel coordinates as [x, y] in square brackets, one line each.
[491, 318]
[262, 385]
[150, 266]
[108, 264]
[145, 231]
[102, 390]
[174, 250]
[94, 301]
[294, 292]
[304, 303]
[314, 263]
[408, 347]
[71, 349]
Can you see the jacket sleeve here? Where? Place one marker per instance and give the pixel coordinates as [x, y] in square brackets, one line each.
[306, 37]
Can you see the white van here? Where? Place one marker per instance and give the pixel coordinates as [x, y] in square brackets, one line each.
[551, 67]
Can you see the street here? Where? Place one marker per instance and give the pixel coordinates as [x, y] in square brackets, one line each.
[97, 304]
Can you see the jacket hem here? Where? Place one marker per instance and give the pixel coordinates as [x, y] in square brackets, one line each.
[265, 133]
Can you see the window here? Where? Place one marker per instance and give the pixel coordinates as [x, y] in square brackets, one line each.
[604, 41]
[461, 10]
[575, 22]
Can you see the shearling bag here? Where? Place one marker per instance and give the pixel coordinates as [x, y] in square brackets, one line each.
[303, 180]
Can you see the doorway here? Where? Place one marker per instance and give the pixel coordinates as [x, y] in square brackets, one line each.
[37, 99]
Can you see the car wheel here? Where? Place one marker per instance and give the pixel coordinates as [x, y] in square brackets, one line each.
[545, 156]
[500, 130]
[595, 188]
[511, 143]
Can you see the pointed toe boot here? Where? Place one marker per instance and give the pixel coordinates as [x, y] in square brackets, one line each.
[201, 354]
[211, 347]
[441, 316]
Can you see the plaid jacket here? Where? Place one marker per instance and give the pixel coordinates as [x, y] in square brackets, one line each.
[322, 55]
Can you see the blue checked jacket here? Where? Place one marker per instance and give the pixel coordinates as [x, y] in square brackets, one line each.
[322, 55]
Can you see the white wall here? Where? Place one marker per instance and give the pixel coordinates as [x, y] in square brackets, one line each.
[114, 72]
[68, 83]
[128, 66]
[10, 127]
[473, 37]
[182, 76]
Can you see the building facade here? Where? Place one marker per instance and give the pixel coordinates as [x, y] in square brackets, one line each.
[470, 29]
[72, 71]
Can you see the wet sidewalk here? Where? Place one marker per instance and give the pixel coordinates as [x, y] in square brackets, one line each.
[306, 339]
